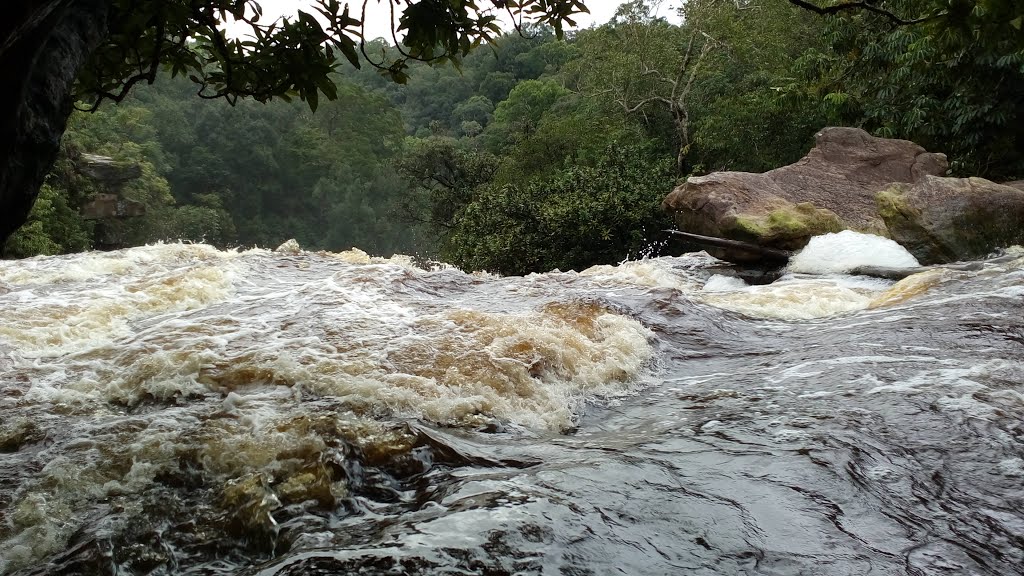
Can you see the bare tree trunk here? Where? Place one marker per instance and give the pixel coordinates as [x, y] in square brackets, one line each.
[43, 45]
[681, 118]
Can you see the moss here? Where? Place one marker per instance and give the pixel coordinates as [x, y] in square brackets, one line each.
[789, 226]
[902, 223]
[749, 227]
[891, 205]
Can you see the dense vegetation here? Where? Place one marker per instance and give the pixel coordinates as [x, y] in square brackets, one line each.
[538, 153]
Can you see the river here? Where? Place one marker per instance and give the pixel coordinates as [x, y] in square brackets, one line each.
[175, 409]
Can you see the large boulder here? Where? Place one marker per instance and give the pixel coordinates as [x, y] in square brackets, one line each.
[832, 188]
[950, 219]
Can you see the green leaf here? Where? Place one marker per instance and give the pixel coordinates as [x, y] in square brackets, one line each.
[312, 98]
[348, 48]
[327, 87]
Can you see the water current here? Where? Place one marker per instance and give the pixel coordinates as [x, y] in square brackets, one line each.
[175, 409]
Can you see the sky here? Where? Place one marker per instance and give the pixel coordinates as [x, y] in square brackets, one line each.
[377, 13]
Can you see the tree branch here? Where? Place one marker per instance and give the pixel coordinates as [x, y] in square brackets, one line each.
[644, 102]
[859, 5]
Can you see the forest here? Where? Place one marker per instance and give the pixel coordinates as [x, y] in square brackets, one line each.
[538, 153]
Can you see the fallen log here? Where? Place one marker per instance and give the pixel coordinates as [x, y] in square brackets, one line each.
[767, 255]
[887, 272]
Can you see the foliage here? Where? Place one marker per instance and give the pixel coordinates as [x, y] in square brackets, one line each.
[574, 219]
[517, 117]
[276, 171]
[53, 227]
[445, 175]
[291, 57]
[759, 105]
[952, 82]
[725, 82]
[570, 133]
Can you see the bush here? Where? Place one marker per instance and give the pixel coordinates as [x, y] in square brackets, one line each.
[579, 217]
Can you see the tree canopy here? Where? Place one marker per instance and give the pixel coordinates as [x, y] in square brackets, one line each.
[530, 154]
[288, 57]
[57, 52]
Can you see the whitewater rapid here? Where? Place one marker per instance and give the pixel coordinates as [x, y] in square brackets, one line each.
[179, 409]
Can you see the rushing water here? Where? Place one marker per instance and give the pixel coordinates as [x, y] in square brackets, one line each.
[174, 409]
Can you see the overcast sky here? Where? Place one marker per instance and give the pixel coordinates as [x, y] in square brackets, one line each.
[378, 15]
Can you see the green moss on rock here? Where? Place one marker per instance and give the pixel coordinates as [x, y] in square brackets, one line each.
[891, 204]
[788, 227]
[948, 219]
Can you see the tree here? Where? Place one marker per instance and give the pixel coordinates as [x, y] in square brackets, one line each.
[757, 100]
[948, 75]
[444, 175]
[720, 80]
[572, 219]
[126, 134]
[518, 116]
[54, 51]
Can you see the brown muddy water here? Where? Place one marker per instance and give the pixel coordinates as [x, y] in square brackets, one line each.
[174, 409]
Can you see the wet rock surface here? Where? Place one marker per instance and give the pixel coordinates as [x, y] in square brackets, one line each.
[106, 170]
[952, 219]
[852, 180]
[832, 188]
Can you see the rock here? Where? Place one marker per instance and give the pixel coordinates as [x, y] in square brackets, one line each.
[909, 286]
[290, 246]
[832, 188]
[111, 206]
[887, 272]
[107, 171]
[950, 219]
[111, 175]
[1018, 184]
[753, 275]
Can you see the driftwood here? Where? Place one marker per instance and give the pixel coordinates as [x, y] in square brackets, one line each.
[767, 255]
[887, 272]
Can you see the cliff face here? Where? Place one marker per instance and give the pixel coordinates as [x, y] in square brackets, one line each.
[111, 176]
[43, 46]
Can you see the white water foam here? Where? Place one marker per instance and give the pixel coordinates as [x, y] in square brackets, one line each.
[720, 283]
[180, 321]
[842, 252]
[679, 273]
[789, 298]
[253, 364]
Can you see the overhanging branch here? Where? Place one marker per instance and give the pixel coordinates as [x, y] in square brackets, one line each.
[868, 6]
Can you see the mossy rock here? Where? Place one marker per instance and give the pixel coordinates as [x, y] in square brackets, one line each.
[942, 220]
[789, 227]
